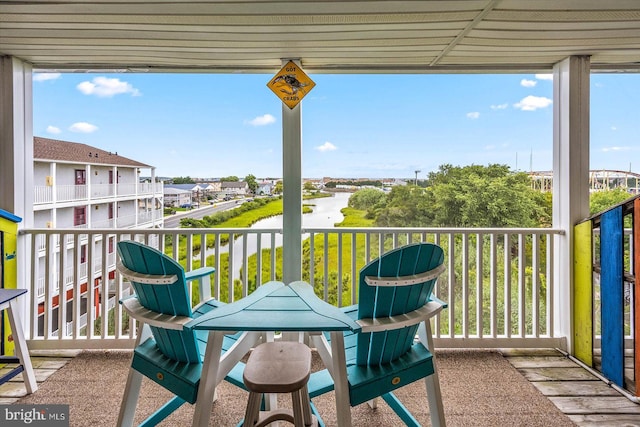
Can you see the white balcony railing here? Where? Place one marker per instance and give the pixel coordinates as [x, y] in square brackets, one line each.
[499, 282]
[102, 190]
[68, 193]
[42, 194]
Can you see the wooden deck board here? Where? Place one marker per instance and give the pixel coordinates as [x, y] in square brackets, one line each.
[583, 397]
[575, 388]
[557, 361]
[600, 420]
[596, 405]
[557, 374]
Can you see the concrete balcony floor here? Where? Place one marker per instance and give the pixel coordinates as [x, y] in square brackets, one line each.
[584, 398]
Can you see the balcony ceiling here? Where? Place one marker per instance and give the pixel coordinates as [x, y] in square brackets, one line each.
[327, 36]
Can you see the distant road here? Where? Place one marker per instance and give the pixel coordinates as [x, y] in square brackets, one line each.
[173, 221]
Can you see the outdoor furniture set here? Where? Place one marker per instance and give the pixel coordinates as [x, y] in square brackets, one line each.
[368, 350]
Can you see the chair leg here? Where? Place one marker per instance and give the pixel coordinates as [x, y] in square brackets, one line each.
[434, 397]
[129, 399]
[298, 420]
[253, 409]
[306, 406]
[373, 403]
[432, 382]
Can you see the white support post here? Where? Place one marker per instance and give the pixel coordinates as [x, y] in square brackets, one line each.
[16, 161]
[16, 139]
[570, 177]
[292, 191]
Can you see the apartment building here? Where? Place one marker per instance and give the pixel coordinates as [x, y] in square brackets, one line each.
[79, 187]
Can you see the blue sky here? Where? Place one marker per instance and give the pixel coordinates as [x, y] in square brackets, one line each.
[372, 126]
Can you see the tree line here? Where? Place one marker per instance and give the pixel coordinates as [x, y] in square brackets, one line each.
[469, 196]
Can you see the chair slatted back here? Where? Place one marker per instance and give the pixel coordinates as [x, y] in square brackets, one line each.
[166, 298]
[379, 348]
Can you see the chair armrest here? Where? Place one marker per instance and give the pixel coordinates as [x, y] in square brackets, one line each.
[423, 313]
[198, 273]
[152, 318]
[405, 280]
[204, 282]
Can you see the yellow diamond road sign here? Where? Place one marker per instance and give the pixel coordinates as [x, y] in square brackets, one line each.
[291, 84]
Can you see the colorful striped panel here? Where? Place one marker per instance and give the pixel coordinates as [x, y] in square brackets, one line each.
[583, 292]
[611, 295]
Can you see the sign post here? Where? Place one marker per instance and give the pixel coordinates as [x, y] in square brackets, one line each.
[291, 84]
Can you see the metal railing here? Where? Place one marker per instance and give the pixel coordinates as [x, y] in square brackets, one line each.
[498, 283]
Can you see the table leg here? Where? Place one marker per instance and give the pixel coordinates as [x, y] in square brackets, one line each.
[22, 351]
[341, 386]
[208, 380]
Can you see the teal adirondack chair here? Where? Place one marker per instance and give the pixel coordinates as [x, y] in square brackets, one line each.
[395, 305]
[165, 351]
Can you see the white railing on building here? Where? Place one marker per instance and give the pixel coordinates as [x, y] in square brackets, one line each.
[42, 194]
[68, 193]
[498, 283]
[103, 223]
[126, 189]
[150, 188]
[102, 190]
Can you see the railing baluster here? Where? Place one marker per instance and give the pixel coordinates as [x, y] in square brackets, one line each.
[479, 286]
[493, 285]
[535, 286]
[354, 268]
[521, 286]
[507, 285]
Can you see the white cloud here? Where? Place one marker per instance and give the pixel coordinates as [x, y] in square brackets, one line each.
[105, 87]
[532, 103]
[83, 127]
[53, 130]
[327, 146]
[606, 149]
[544, 76]
[528, 83]
[473, 115]
[266, 119]
[614, 128]
[41, 77]
[500, 106]
[490, 147]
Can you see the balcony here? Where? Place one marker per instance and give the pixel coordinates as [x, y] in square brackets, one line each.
[497, 298]
[68, 193]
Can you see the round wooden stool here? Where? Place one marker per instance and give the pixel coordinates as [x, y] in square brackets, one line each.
[279, 367]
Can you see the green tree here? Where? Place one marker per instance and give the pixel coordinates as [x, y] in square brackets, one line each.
[406, 206]
[308, 186]
[368, 198]
[183, 180]
[602, 200]
[277, 189]
[252, 183]
[469, 196]
[231, 178]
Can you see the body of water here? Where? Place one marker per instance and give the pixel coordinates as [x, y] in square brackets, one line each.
[326, 213]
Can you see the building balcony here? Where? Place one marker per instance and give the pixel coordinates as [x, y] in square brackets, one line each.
[497, 297]
[499, 284]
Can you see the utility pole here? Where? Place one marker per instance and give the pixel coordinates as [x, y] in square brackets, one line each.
[417, 172]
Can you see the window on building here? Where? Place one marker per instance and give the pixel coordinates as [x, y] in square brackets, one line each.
[79, 215]
[81, 177]
[83, 254]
